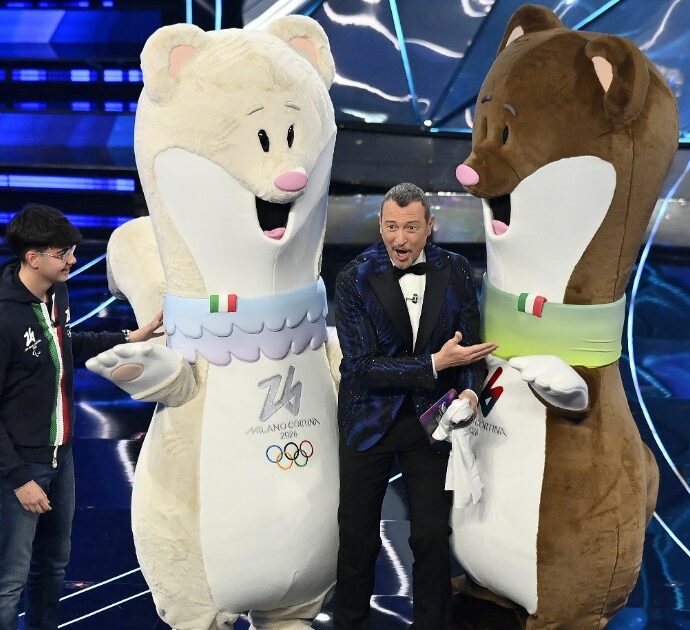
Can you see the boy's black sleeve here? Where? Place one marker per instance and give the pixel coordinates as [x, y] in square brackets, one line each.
[88, 344]
[11, 464]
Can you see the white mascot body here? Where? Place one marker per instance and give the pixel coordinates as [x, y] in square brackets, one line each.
[236, 489]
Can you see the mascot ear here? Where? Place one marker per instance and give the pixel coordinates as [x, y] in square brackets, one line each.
[164, 58]
[624, 76]
[529, 18]
[308, 38]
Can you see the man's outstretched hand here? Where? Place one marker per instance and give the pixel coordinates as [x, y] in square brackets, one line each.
[452, 354]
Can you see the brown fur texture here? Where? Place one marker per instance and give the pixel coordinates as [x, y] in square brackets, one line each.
[600, 480]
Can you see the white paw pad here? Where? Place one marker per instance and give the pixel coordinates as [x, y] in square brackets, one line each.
[137, 367]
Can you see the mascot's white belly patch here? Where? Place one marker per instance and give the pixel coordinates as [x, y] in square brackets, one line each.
[495, 540]
[269, 479]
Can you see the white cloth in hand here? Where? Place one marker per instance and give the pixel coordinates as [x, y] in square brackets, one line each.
[458, 411]
[462, 475]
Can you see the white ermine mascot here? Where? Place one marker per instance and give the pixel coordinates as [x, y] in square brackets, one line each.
[235, 495]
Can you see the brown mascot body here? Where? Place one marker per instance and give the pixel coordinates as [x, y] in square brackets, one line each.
[573, 137]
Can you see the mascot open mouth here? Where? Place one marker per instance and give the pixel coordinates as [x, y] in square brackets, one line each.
[500, 211]
[272, 217]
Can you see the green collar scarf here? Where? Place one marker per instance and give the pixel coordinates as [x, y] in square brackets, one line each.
[525, 324]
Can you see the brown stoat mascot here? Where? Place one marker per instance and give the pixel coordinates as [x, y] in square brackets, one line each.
[573, 137]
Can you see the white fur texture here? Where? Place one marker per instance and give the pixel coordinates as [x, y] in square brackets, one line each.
[297, 26]
[155, 58]
[209, 109]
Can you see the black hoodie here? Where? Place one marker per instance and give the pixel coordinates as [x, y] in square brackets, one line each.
[36, 374]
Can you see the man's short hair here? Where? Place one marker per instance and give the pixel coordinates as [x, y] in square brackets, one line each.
[39, 227]
[404, 194]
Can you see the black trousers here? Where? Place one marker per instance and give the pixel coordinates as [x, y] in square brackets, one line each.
[363, 481]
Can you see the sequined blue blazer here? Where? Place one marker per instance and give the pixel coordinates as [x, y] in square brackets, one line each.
[380, 366]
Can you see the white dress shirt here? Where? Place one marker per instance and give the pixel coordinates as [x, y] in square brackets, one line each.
[412, 288]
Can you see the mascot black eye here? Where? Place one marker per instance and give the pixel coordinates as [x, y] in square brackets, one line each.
[506, 133]
[291, 135]
[263, 139]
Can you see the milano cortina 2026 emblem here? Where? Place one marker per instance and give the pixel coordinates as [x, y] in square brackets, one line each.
[290, 398]
[31, 342]
[292, 454]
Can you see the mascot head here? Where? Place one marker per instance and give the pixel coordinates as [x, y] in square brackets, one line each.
[573, 136]
[234, 140]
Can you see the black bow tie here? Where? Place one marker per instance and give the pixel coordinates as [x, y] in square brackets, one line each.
[418, 270]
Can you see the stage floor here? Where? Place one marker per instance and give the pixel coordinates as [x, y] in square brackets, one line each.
[106, 590]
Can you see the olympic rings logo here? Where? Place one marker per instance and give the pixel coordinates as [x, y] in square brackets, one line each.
[290, 454]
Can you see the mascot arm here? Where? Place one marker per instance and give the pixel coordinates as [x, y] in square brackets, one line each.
[148, 372]
[177, 390]
[334, 354]
[560, 387]
[135, 272]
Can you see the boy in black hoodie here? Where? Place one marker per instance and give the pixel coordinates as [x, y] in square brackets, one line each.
[37, 348]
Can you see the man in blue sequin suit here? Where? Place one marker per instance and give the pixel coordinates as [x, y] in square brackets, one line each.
[408, 323]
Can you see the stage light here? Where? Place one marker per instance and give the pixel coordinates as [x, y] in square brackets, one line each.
[29, 74]
[82, 76]
[30, 105]
[113, 76]
[113, 106]
[82, 220]
[63, 182]
[81, 106]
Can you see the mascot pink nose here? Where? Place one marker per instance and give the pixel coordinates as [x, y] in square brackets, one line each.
[466, 175]
[292, 181]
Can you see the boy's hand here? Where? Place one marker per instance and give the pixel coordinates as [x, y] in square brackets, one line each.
[32, 498]
[149, 330]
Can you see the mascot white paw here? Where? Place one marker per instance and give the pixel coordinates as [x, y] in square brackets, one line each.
[553, 380]
[138, 368]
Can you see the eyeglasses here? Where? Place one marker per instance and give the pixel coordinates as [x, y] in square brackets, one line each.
[64, 256]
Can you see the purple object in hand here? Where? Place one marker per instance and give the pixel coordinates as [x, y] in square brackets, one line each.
[432, 416]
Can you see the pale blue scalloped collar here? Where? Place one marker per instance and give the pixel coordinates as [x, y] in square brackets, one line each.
[272, 325]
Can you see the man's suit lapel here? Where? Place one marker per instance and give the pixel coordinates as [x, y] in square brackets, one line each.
[387, 289]
[437, 278]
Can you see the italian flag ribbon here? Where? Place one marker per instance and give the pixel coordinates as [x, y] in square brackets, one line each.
[60, 424]
[531, 303]
[223, 303]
